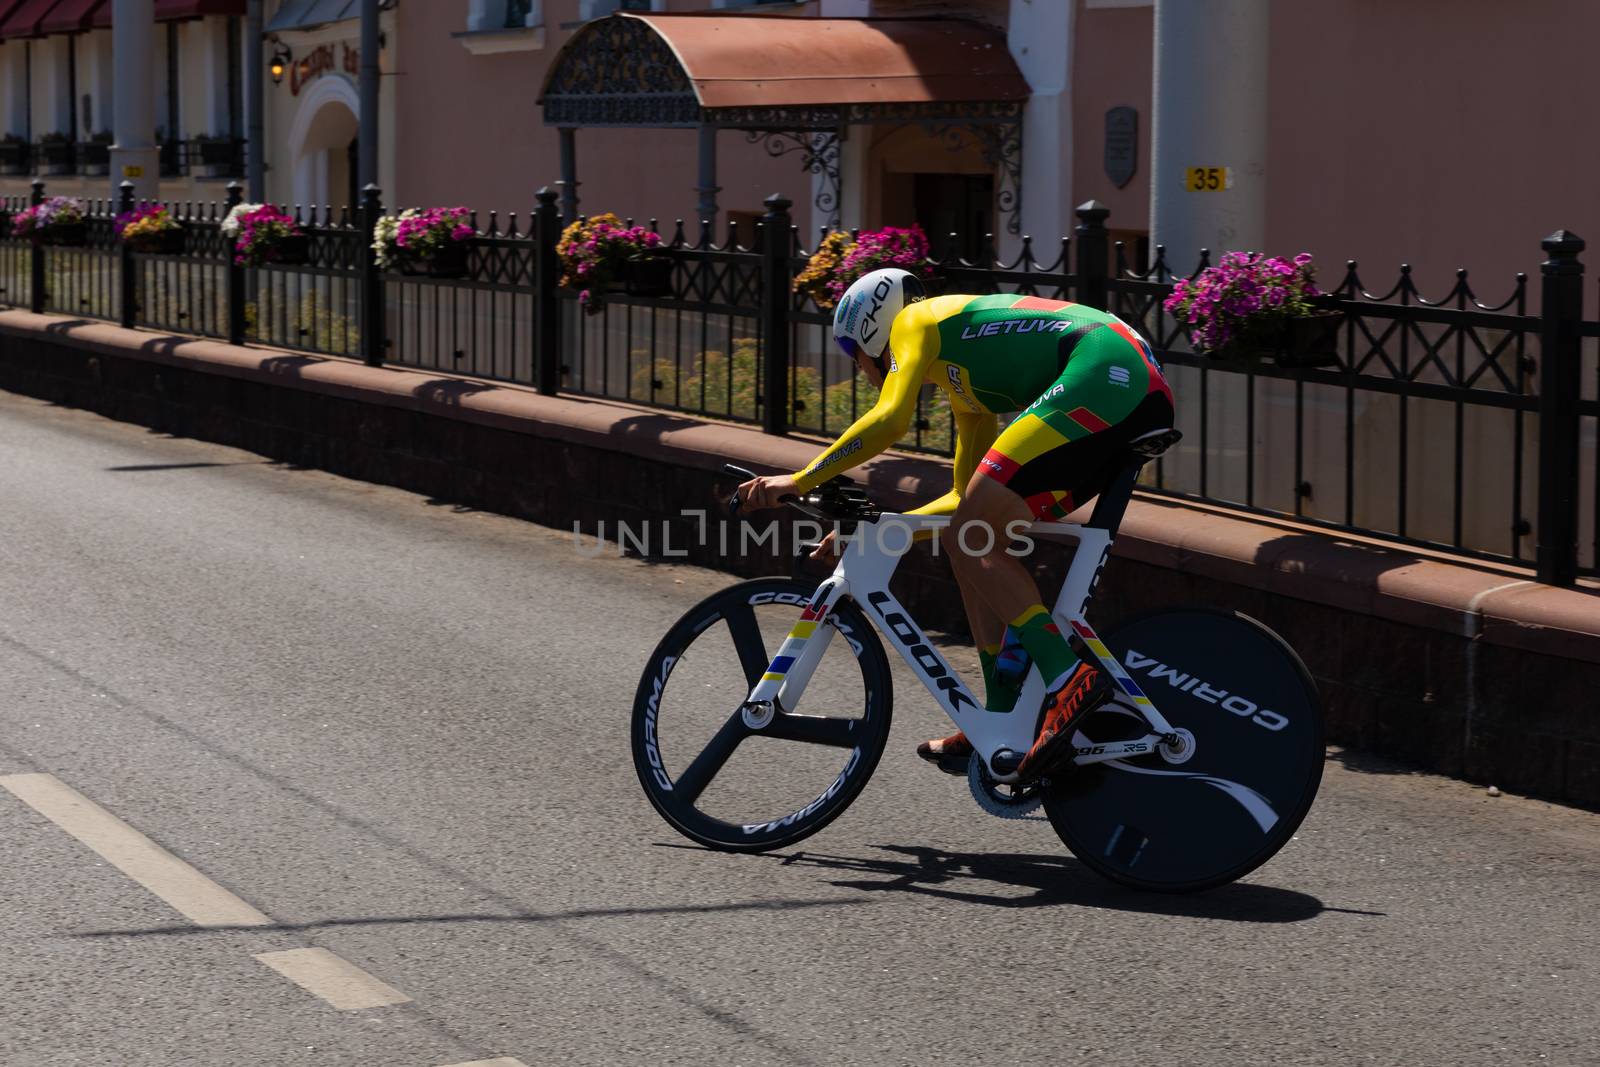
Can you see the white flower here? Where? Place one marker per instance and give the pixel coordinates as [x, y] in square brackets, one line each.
[230, 225]
[384, 233]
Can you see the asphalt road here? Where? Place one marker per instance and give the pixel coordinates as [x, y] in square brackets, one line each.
[247, 711]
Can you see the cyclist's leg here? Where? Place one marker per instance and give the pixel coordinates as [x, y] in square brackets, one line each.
[1060, 452]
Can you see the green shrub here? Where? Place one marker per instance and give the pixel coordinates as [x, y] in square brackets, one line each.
[731, 392]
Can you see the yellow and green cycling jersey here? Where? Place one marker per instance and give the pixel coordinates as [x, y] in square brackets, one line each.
[1075, 374]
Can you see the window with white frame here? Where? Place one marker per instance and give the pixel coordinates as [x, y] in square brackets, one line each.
[495, 26]
[490, 15]
[599, 9]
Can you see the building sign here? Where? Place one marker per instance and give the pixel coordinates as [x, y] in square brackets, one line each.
[1208, 179]
[323, 59]
[132, 172]
[1122, 145]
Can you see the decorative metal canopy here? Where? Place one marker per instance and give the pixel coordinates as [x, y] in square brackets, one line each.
[788, 84]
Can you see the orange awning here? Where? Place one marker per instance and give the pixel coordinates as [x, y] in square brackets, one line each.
[778, 61]
[775, 61]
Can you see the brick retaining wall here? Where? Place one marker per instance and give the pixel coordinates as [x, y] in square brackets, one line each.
[1467, 669]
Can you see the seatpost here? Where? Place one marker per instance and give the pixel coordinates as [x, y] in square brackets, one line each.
[1112, 504]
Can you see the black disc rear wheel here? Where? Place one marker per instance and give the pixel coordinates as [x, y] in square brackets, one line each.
[1253, 711]
[736, 782]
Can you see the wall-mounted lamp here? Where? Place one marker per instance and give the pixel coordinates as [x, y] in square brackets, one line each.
[280, 63]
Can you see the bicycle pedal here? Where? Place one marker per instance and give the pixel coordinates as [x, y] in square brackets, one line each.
[1006, 761]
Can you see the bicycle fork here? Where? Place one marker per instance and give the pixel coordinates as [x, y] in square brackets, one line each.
[781, 686]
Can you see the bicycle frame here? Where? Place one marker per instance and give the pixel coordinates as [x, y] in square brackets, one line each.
[863, 573]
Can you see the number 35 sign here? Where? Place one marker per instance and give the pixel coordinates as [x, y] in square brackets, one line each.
[1207, 179]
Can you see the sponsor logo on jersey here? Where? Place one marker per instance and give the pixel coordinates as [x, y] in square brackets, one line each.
[1049, 394]
[828, 461]
[1001, 327]
[953, 372]
[1118, 376]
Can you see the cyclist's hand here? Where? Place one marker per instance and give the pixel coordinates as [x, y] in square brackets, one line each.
[765, 491]
[828, 546]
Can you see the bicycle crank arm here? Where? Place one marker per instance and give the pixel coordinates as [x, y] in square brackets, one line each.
[1086, 751]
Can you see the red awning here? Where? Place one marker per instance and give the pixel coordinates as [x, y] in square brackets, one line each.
[24, 19]
[170, 10]
[71, 16]
[193, 9]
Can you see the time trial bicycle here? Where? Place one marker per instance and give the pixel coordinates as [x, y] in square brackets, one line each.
[1198, 770]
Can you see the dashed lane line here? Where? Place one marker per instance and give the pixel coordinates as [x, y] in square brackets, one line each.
[185, 889]
[333, 978]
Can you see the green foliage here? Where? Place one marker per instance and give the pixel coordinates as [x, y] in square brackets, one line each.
[312, 324]
[731, 390]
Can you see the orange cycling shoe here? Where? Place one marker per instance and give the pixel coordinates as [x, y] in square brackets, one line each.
[950, 754]
[1085, 689]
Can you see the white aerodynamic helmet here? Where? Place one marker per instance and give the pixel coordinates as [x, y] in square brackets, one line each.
[864, 314]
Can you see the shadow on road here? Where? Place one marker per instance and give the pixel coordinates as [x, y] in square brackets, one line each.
[181, 466]
[1055, 881]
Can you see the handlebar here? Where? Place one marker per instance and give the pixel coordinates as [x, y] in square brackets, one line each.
[836, 500]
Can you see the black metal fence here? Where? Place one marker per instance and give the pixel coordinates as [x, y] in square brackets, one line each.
[1450, 422]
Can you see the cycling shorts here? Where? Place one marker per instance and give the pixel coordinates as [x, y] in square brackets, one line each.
[1067, 445]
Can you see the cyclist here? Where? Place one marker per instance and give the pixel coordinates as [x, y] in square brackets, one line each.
[1085, 385]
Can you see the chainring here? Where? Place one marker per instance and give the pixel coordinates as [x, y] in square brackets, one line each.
[1000, 800]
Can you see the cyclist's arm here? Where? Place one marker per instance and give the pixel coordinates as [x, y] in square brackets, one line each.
[975, 432]
[889, 418]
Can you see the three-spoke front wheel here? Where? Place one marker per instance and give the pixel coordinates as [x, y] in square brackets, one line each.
[751, 782]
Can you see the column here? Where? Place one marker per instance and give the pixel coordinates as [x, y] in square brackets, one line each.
[1210, 111]
[15, 65]
[134, 155]
[1040, 36]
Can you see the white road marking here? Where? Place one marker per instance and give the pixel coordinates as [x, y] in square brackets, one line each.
[336, 980]
[503, 1061]
[191, 893]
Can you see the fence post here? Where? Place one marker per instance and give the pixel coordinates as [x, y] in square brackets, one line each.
[236, 295]
[372, 294]
[546, 303]
[127, 266]
[1094, 255]
[775, 298]
[1559, 386]
[36, 294]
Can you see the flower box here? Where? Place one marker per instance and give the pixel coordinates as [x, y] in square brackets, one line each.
[1251, 306]
[600, 255]
[167, 242]
[645, 275]
[432, 242]
[260, 234]
[65, 234]
[1308, 340]
[291, 251]
[449, 261]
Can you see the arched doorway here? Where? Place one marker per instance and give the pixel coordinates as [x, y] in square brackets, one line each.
[321, 143]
